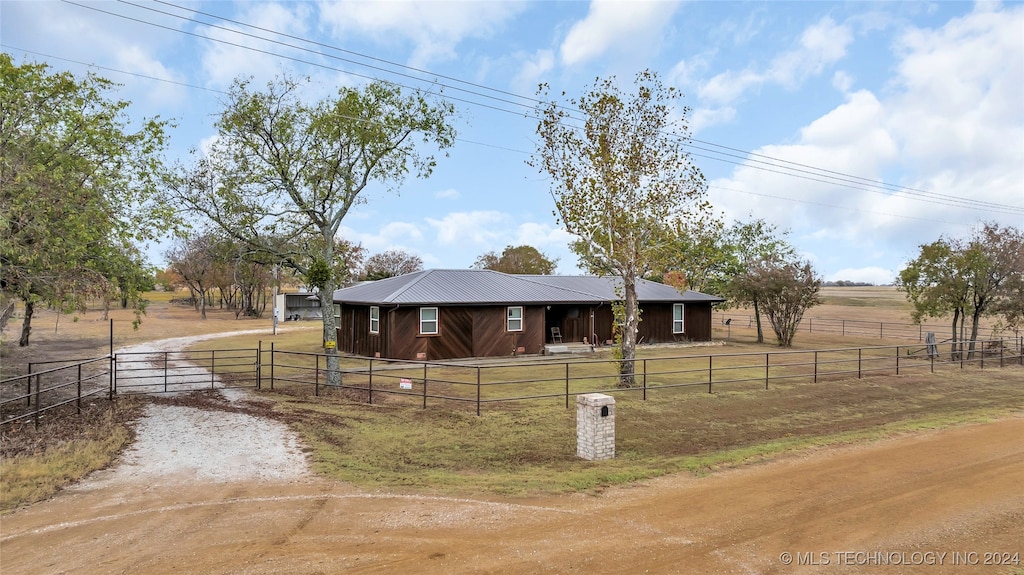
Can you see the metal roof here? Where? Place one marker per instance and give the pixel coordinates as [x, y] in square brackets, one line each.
[484, 287]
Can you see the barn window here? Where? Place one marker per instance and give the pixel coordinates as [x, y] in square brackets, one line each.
[337, 312]
[428, 321]
[677, 318]
[374, 319]
[515, 318]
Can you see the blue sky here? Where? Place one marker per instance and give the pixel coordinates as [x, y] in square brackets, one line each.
[926, 99]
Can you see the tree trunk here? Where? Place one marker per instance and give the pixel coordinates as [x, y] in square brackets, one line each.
[202, 303]
[26, 324]
[330, 334]
[975, 320]
[757, 318]
[631, 324]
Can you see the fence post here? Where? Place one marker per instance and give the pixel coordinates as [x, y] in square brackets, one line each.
[113, 366]
[28, 387]
[259, 365]
[567, 385]
[165, 371]
[1002, 344]
[981, 350]
[881, 326]
[815, 367]
[844, 327]
[645, 379]
[370, 396]
[478, 391]
[424, 385]
[316, 375]
[272, 362]
[766, 371]
[213, 368]
[709, 372]
[78, 401]
[860, 353]
[897, 360]
[710, 368]
[38, 405]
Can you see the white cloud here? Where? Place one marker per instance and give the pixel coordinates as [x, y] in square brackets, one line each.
[541, 236]
[532, 70]
[391, 236]
[943, 126]
[627, 26]
[821, 44]
[842, 81]
[702, 118]
[479, 228]
[448, 194]
[231, 55]
[435, 28]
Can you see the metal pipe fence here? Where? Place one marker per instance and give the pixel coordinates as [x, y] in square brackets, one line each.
[483, 382]
[477, 382]
[853, 327]
[30, 395]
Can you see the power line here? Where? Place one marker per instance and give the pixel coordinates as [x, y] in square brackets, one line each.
[525, 152]
[775, 165]
[894, 188]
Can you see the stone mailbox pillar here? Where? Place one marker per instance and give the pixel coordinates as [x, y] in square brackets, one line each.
[595, 426]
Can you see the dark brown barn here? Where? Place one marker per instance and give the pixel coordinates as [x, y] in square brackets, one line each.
[444, 314]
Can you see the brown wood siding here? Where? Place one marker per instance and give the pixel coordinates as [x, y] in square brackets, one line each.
[354, 331]
[481, 331]
[491, 337]
[655, 323]
[405, 341]
[534, 331]
[697, 321]
[604, 319]
[455, 334]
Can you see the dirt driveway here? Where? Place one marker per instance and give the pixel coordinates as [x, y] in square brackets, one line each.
[938, 502]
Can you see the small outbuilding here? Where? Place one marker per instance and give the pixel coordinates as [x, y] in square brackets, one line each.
[446, 314]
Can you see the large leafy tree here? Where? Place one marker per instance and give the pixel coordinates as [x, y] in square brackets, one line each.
[284, 173]
[391, 263]
[964, 278]
[622, 182]
[748, 245]
[517, 260]
[78, 183]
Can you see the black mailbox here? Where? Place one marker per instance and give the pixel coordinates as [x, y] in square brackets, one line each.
[604, 411]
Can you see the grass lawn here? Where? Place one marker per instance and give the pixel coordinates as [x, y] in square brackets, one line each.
[529, 447]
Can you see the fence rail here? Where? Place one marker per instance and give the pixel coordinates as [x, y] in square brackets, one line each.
[64, 385]
[852, 327]
[477, 382]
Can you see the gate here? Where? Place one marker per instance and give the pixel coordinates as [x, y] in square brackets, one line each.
[175, 371]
